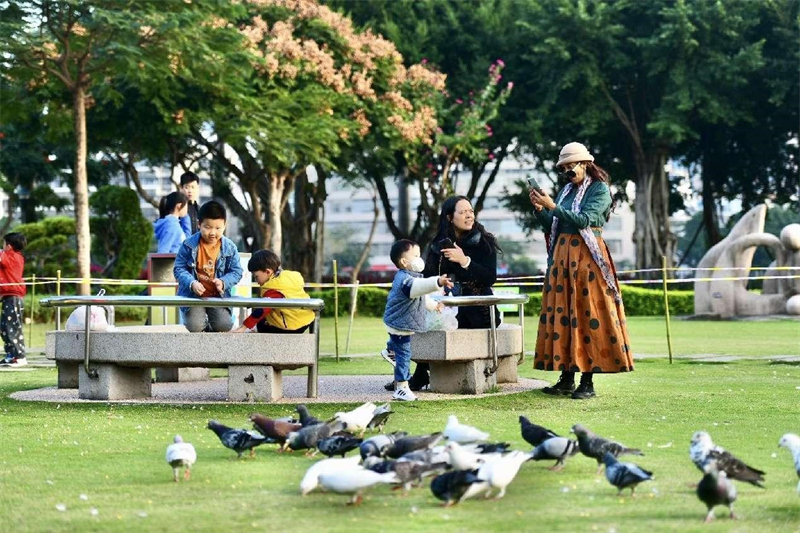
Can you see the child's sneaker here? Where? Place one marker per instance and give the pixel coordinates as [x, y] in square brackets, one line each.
[14, 362]
[403, 394]
[388, 356]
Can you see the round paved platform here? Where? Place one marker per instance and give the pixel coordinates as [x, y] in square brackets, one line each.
[332, 389]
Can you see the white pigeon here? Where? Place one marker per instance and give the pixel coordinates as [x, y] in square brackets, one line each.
[358, 419]
[311, 478]
[181, 455]
[462, 433]
[501, 471]
[354, 481]
[791, 442]
[462, 458]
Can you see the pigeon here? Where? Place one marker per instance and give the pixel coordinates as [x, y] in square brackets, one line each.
[307, 438]
[354, 481]
[357, 419]
[339, 443]
[238, 440]
[624, 475]
[499, 472]
[703, 449]
[405, 445]
[451, 487]
[379, 417]
[791, 442]
[462, 459]
[716, 489]
[274, 429]
[437, 454]
[311, 478]
[375, 446]
[533, 434]
[462, 433]
[408, 472]
[558, 448]
[181, 455]
[305, 418]
[497, 447]
[596, 447]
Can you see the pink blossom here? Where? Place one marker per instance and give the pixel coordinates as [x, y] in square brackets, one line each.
[489, 134]
[424, 61]
[439, 130]
[501, 62]
[459, 101]
[510, 85]
[458, 123]
[491, 156]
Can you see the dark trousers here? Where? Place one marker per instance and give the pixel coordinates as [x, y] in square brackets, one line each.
[11, 327]
[263, 327]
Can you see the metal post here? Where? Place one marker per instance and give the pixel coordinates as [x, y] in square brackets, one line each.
[353, 301]
[58, 293]
[336, 308]
[522, 328]
[87, 327]
[492, 342]
[666, 304]
[313, 372]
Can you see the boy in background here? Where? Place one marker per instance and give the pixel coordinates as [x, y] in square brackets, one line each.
[12, 292]
[276, 282]
[190, 186]
[405, 310]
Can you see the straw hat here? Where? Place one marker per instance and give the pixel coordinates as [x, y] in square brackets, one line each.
[573, 153]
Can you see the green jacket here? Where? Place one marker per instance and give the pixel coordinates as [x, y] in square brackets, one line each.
[595, 207]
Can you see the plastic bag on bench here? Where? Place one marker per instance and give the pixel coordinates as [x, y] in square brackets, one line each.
[97, 318]
[442, 321]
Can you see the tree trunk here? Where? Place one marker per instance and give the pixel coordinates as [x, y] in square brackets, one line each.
[298, 229]
[365, 253]
[710, 220]
[276, 186]
[321, 194]
[81, 191]
[9, 216]
[652, 234]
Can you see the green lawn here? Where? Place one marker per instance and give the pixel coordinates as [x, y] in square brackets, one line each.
[114, 454]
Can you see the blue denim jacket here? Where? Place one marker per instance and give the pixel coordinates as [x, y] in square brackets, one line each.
[228, 267]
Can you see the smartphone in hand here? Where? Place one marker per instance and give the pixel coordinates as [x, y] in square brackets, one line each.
[533, 184]
[446, 243]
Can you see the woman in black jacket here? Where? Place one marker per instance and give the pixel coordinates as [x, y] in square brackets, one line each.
[467, 253]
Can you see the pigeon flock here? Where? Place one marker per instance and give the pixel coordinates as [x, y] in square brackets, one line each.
[461, 460]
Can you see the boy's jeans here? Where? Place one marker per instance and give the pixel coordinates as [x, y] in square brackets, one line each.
[401, 346]
[11, 327]
[198, 319]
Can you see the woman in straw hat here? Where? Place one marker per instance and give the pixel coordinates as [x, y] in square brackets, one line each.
[582, 325]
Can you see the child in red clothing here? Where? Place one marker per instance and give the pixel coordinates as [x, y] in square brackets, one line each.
[12, 293]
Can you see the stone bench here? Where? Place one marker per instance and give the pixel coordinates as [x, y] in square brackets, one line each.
[459, 359]
[125, 356]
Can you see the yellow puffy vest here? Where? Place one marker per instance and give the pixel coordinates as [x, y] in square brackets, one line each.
[290, 284]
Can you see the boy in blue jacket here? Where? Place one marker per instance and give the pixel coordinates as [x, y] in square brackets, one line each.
[207, 266]
[405, 309]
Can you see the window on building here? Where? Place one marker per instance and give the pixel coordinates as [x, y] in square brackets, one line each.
[615, 246]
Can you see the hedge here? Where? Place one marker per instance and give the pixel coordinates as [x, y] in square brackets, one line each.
[371, 301]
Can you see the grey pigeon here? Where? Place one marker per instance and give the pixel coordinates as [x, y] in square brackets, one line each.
[533, 434]
[375, 446]
[558, 448]
[379, 417]
[596, 447]
[238, 440]
[702, 450]
[450, 487]
[497, 447]
[716, 489]
[624, 475]
[307, 438]
[408, 472]
[791, 442]
[409, 444]
[338, 444]
[305, 418]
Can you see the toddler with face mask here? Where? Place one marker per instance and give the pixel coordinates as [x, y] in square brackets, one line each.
[405, 310]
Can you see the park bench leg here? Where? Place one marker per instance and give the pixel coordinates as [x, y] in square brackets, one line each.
[181, 375]
[67, 375]
[114, 382]
[461, 377]
[254, 383]
[507, 370]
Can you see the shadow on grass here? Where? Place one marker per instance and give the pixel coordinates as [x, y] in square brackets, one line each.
[786, 363]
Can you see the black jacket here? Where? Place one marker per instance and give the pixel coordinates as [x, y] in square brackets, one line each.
[192, 212]
[475, 280]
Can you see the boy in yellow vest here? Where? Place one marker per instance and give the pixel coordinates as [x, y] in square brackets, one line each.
[275, 282]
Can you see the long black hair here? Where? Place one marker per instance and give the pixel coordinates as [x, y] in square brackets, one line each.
[446, 224]
[169, 202]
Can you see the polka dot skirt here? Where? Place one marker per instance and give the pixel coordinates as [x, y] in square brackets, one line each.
[581, 327]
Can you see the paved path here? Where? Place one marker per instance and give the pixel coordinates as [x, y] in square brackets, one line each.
[332, 389]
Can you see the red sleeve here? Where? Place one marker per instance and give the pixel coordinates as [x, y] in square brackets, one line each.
[257, 314]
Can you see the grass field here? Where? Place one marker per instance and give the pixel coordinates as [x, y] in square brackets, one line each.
[114, 454]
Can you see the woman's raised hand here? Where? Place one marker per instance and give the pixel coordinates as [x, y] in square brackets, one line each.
[542, 199]
[456, 255]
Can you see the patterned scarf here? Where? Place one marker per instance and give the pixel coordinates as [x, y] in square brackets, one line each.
[587, 234]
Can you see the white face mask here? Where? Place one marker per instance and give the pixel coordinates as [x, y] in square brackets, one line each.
[416, 265]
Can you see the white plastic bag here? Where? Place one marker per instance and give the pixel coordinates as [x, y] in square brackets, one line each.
[97, 318]
[442, 321]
